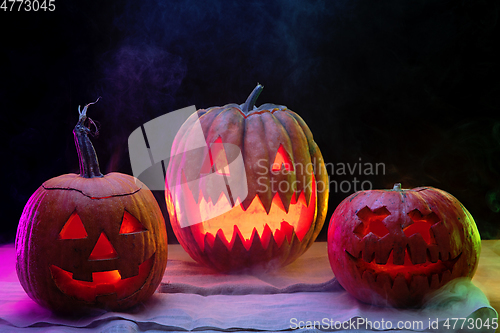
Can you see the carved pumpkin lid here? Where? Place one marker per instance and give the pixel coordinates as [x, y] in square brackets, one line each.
[110, 185]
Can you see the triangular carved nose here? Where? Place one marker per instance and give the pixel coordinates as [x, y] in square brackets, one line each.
[103, 249]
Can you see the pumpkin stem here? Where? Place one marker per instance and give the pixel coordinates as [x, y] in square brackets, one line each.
[89, 165]
[252, 98]
[397, 187]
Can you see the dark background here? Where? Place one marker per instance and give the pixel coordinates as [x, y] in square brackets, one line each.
[411, 84]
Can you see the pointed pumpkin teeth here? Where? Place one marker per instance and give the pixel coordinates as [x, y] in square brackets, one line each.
[384, 279]
[368, 257]
[445, 277]
[434, 281]
[285, 233]
[444, 256]
[400, 286]
[419, 282]
[417, 249]
[226, 260]
[408, 269]
[450, 264]
[382, 259]
[413, 282]
[432, 253]
[371, 241]
[216, 218]
[369, 277]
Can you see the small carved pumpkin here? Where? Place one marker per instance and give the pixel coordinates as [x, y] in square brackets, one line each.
[282, 168]
[90, 240]
[393, 247]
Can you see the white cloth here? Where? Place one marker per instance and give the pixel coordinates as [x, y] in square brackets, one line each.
[303, 295]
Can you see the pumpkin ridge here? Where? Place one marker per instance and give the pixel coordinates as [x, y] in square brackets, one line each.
[265, 202]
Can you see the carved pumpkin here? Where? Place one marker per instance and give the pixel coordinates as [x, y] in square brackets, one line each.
[90, 240]
[281, 168]
[393, 247]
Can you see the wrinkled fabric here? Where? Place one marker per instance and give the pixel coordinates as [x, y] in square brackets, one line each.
[303, 296]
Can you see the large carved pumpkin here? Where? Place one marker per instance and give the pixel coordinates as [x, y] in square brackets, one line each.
[90, 240]
[270, 152]
[393, 247]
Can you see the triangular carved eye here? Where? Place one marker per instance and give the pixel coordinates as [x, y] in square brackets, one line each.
[282, 159]
[73, 229]
[216, 160]
[130, 224]
[103, 249]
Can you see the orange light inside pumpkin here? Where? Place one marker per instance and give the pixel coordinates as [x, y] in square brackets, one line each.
[372, 222]
[422, 224]
[106, 277]
[73, 229]
[130, 224]
[103, 249]
[216, 159]
[103, 283]
[433, 270]
[245, 223]
[282, 159]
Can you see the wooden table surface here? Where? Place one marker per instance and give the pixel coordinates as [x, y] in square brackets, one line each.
[488, 272]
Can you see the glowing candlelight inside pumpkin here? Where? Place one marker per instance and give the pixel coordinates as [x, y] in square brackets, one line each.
[269, 151]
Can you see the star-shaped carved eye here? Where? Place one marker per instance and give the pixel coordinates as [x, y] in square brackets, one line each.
[421, 224]
[371, 221]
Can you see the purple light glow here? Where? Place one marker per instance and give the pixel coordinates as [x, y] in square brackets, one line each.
[16, 305]
[8, 263]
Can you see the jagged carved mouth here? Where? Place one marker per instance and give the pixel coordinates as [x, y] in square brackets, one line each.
[436, 271]
[254, 221]
[103, 283]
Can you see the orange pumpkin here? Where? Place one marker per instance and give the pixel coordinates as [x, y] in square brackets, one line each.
[282, 170]
[394, 247]
[90, 240]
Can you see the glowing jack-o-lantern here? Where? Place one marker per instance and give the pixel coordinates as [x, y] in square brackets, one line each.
[90, 240]
[255, 195]
[394, 247]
